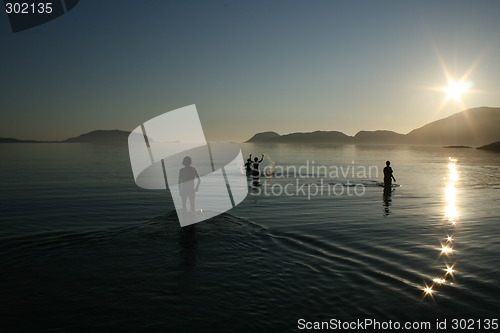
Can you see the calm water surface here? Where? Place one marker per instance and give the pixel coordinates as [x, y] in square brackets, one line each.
[83, 248]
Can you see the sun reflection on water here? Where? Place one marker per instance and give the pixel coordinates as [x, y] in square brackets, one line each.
[452, 166]
[446, 249]
[428, 291]
[439, 280]
[451, 192]
[449, 270]
[452, 215]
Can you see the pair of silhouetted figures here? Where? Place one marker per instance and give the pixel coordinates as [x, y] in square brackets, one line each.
[252, 168]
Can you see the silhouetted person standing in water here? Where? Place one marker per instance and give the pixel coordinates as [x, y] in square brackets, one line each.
[186, 183]
[255, 170]
[388, 177]
[248, 165]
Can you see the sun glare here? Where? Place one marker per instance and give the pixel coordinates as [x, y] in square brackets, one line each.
[457, 85]
[449, 270]
[455, 90]
[446, 249]
[428, 291]
[439, 280]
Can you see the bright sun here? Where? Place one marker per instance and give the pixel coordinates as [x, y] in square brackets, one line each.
[455, 90]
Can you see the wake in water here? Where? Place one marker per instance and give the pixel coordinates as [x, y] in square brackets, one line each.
[268, 170]
[376, 183]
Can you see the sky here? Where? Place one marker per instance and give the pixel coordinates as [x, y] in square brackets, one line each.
[249, 66]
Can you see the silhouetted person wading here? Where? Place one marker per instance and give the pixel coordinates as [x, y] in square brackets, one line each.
[388, 177]
[255, 170]
[248, 166]
[186, 183]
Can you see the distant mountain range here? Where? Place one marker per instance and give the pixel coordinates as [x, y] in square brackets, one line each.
[12, 140]
[474, 127]
[98, 136]
[101, 136]
[478, 126]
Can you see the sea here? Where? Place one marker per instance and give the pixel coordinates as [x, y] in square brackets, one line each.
[320, 244]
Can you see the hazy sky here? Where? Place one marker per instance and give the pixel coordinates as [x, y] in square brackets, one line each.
[249, 66]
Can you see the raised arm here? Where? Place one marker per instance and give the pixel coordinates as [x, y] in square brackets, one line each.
[179, 183]
[199, 180]
[261, 158]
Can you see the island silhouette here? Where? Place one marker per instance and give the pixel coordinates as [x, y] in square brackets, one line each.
[476, 127]
[495, 146]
